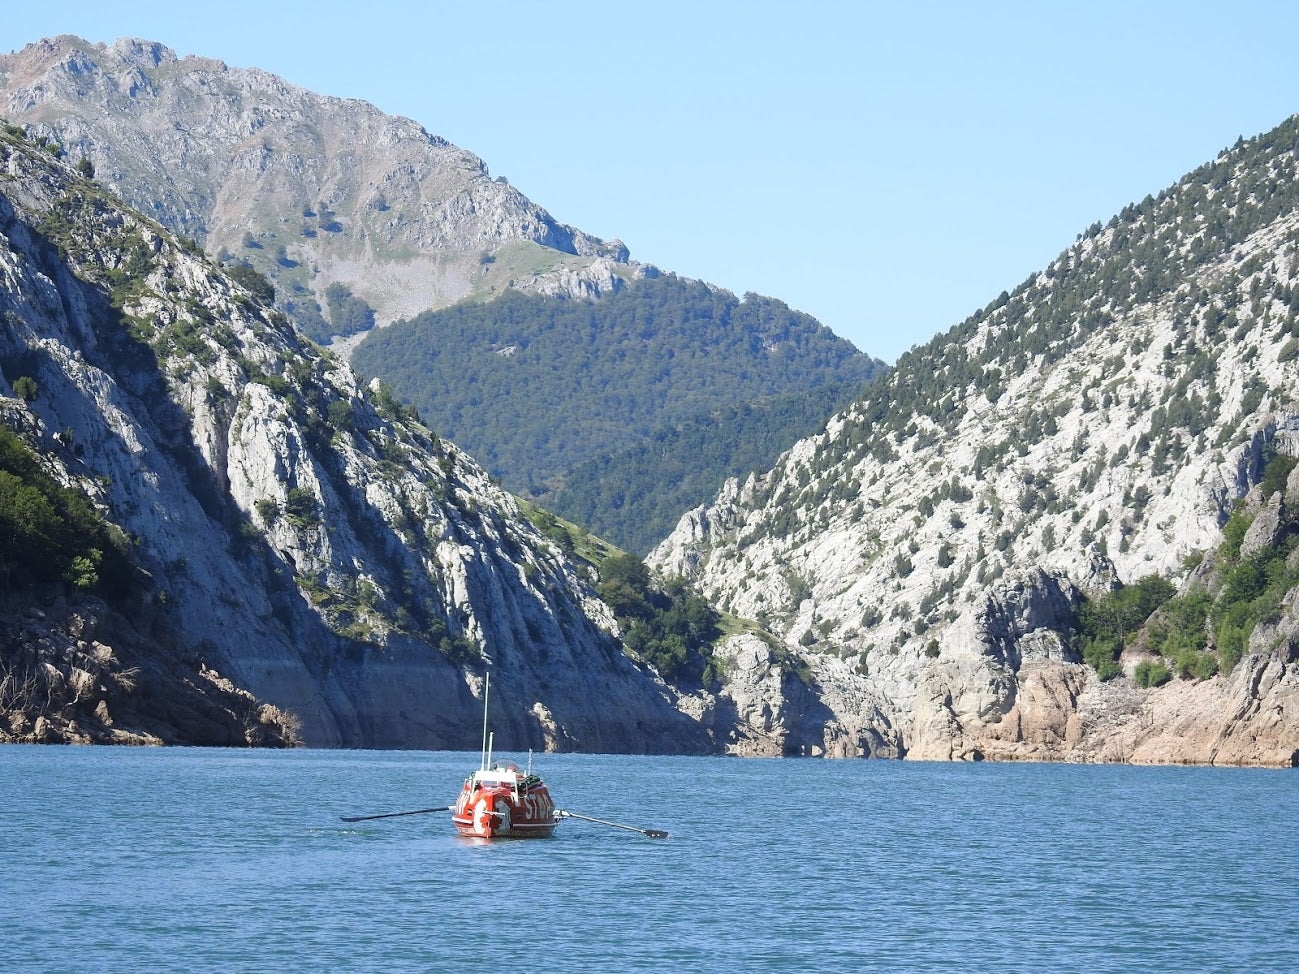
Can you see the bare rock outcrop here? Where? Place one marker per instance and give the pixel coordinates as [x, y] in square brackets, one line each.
[77, 671]
[773, 703]
[1247, 718]
[1266, 528]
[312, 190]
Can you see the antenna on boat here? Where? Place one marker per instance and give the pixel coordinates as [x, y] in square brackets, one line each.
[487, 688]
[529, 761]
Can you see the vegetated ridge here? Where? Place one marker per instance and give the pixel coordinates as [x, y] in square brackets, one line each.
[535, 386]
[1013, 545]
[634, 496]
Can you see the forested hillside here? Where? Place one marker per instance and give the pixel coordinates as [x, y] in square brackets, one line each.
[535, 386]
[634, 497]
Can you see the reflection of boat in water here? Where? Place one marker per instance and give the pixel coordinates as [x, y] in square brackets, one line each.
[500, 801]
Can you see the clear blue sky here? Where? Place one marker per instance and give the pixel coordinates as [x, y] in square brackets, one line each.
[887, 168]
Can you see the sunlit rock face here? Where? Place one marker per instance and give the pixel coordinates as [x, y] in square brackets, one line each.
[312, 190]
[306, 540]
[1094, 427]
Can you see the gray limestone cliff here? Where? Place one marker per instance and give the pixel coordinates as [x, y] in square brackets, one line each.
[308, 541]
[923, 559]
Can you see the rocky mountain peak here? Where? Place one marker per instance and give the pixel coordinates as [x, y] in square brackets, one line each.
[312, 190]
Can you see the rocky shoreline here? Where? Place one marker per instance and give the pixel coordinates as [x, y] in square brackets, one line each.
[76, 671]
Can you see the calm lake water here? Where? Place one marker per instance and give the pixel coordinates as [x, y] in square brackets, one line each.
[206, 860]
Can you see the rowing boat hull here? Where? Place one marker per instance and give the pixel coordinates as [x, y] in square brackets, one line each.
[504, 805]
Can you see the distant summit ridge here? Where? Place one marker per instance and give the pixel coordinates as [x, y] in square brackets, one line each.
[315, 191]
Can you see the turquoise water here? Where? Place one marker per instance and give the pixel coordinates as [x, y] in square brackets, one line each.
[206, 860]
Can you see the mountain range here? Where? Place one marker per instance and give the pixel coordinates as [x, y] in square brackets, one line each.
[1063, 530]
[374, 232]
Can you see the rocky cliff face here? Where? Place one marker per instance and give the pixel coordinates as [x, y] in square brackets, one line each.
[308, 541]
[924, 556]
[314, 191]
[77, 670]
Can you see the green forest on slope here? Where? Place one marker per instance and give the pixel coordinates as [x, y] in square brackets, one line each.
[1207, 627]
[534, 386]
[50, 533]
[635, 497]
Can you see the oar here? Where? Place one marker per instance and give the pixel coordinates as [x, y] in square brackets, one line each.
[652, 833]
[418, 811]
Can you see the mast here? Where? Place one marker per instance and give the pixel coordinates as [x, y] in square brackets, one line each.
[487, 688]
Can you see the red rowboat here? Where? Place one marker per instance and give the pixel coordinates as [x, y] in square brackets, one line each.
[504, 802]
[498, 801]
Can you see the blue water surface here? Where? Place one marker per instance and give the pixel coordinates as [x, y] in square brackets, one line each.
[181, 859]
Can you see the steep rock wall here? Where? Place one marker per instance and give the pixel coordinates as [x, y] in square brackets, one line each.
[306, 538]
